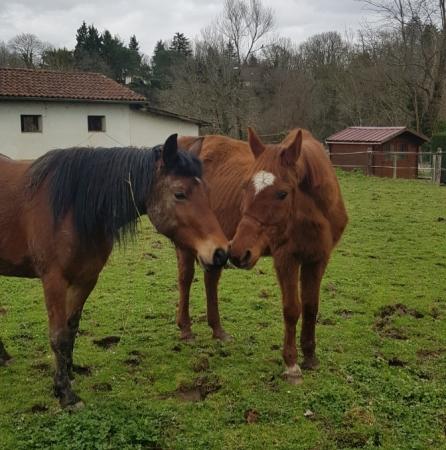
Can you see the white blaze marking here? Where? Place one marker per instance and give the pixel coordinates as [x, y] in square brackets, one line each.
[262, 180]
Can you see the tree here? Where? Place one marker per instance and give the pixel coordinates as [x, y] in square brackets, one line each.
[58, 59]
[413, 42]
[180, 44]
[28, 47]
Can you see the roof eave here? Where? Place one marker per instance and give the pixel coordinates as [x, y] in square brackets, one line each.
[163, 112]
[70, 100]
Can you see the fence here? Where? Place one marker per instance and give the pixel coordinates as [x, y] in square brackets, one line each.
[425, 165]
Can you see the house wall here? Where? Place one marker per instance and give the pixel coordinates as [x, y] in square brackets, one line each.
[148, 129]
[380, 164]
[356, 160]
[406, 165]
[65, 125]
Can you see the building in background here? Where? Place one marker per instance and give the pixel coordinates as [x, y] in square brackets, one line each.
[380, 151]
[41, 110]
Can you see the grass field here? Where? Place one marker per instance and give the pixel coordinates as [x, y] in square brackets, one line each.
[381, 343]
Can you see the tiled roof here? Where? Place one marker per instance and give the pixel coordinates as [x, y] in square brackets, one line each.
[52, 85]
[372, 135]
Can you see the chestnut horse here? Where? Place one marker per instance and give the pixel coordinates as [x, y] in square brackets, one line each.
[60, 216]
[282, 200]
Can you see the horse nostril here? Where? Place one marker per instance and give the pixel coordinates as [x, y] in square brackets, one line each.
[220, 257]
[246, 256]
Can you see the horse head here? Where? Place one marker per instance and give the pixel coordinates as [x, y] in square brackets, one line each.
[179, 206]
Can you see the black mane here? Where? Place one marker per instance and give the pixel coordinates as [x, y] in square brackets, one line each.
[106, 188]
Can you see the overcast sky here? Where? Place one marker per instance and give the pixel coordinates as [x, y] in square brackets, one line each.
[56, 21]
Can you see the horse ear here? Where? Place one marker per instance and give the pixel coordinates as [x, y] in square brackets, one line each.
[255, 143]
[290, 154]
[195, 148]
[170, 151]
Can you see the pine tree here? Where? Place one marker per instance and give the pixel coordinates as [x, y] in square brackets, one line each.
[181, 45]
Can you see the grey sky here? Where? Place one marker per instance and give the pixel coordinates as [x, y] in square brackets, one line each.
[56, 21]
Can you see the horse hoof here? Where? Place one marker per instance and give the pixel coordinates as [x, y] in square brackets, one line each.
[222, 336]
[187, 336]
[310, 363]
[68, 399]
[293, 375]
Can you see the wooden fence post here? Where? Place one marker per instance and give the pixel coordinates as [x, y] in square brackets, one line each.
[439, 166]
[369, 162]
[394, 165]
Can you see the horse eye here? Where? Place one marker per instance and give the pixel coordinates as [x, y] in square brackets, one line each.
[281, 195]
[180, 195]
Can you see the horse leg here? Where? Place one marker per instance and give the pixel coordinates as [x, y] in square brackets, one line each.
[55, 288]
[287, 269]
[4, 356]
[186, 270]
[76, 296]
[211, 279]
[311, 276]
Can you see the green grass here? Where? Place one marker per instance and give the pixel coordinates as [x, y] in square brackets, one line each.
[382, 380]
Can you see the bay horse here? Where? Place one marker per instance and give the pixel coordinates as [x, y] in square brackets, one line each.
[281, 200]
[61, 215]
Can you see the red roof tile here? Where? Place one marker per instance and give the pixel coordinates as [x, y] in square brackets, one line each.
[372, 135]
[52, 85]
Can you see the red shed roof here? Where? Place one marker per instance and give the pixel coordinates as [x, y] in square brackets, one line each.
[370, 135]
[52, 85]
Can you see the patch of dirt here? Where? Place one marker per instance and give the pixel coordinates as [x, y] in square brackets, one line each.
[157, 244]
[134, 360]
[251, 416]
[398, 309]
[435, 312]
[107, 341]
[39, 408]
[396, 362]
[3, 311]
[425, 353]
[264, 294]
[201, 364]
[384, 328]
[331, 287]
[344, 313]
[260, 272]
[102, 387]
[199, 389]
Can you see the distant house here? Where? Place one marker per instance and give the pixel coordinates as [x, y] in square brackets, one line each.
[380, 151]
[41, 110]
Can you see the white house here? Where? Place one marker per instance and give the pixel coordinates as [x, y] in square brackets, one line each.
[41, 110]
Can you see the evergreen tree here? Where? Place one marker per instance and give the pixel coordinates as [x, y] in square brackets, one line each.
[161, 66]
[181, 45]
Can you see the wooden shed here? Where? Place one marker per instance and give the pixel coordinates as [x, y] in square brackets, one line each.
[380, 151]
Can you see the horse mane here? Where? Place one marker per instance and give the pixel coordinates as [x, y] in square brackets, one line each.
[105, 188]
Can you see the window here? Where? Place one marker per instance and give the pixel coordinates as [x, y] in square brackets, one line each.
[31, 123]
[96, 123]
